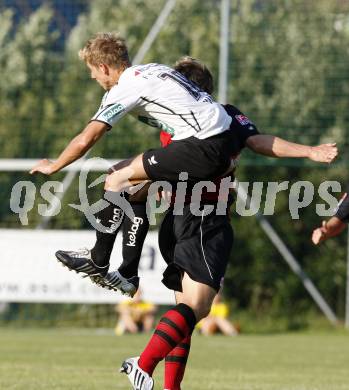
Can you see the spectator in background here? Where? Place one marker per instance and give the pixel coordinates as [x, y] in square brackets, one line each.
[334, 225]
[135, 315]
[217, 320]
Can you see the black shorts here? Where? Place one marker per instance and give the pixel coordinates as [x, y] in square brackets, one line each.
[197, 245]
[203, 159]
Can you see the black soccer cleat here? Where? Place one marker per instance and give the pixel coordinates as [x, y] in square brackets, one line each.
[116, 282]
[80, 261]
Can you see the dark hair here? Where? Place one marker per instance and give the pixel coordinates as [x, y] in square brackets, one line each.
[196, 72]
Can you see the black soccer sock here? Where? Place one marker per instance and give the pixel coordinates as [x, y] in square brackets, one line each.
[110, 219]
[134, 232]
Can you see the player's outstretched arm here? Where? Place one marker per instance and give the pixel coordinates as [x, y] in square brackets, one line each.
[331, 228]
[272, 146]
[77, 147]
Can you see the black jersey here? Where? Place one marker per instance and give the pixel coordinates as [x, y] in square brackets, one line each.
[242, 127]
[200, 245]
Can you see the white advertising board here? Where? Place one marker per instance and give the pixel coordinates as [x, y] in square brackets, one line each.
[29, 271]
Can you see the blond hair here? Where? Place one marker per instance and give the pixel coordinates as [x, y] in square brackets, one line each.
[106, 48]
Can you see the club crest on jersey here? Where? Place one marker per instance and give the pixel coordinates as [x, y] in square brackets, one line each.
[243, 120]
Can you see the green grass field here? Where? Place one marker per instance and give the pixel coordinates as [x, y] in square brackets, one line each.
[88, 359]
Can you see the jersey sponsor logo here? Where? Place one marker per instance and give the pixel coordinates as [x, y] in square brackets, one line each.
[133, 231]
[112, 112]
[243, 120]
[156, 123]
[152, 160]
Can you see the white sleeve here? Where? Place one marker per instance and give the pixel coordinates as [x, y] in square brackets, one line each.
[122, 98]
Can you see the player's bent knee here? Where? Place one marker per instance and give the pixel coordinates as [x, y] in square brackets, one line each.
[113, 182]
[201, 309]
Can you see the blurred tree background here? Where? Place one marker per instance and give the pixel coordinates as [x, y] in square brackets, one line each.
[288, 72]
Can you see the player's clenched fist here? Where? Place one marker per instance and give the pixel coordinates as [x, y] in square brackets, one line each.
[323, 153]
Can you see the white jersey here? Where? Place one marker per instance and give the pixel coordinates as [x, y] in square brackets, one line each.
[161, 97]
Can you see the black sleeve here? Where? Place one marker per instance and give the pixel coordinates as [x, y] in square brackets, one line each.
[240, 124]
[343, 208]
